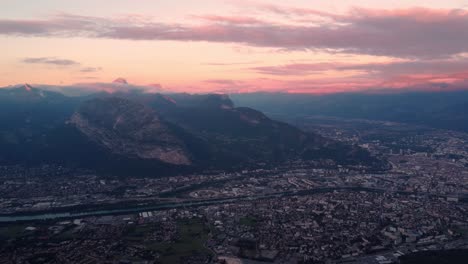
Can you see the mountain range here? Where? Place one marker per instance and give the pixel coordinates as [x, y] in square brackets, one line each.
[443, 110]
[153, 133]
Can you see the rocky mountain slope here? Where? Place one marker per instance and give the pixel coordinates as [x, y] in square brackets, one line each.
[129, 129]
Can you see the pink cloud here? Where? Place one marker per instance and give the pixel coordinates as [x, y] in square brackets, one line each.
[381, 70]
[400, 82]
[229, 19]
[409, 33]
[294, 12]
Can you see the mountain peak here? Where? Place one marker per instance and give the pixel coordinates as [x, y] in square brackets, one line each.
[120, 81]
[31, 91]
[27, 87]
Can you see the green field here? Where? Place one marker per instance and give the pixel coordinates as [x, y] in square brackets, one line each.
[12, 231]
[137, 233]
[248, 221]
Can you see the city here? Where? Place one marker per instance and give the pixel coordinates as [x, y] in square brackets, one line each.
[293, 213]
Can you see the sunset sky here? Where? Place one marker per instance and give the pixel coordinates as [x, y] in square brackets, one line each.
[302, 46]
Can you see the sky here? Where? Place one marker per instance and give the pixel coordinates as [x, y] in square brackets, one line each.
[229, 46]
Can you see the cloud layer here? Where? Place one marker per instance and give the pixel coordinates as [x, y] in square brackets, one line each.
[385, 69]
[406, 33]
[50, 61]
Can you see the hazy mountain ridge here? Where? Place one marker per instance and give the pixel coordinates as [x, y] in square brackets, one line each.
[156, 131]
[446, 110]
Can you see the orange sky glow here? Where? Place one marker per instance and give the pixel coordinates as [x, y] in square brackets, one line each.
[236, 46]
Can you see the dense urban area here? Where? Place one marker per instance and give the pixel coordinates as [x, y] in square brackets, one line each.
[297, 212]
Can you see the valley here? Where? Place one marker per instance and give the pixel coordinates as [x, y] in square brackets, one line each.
[238, 207]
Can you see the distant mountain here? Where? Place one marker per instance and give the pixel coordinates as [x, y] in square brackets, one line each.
[135, 132]
[27, 115]
[27, 93]
[446, 110]
[202, 100]
[120, 81]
